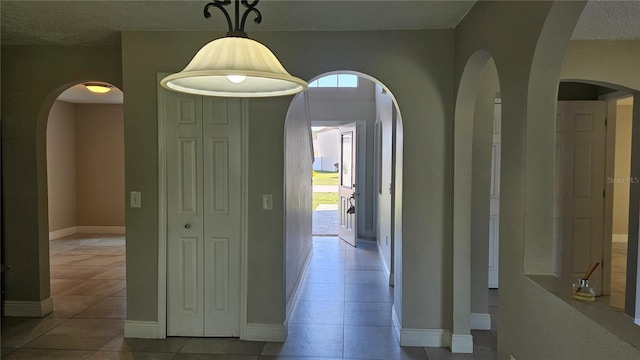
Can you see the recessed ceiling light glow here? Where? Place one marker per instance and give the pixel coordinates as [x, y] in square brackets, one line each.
[98, 88]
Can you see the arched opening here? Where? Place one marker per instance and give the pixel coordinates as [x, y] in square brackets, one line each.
[63, 260]
[476, 201]
[86, 202]
[351, 286]
[610, 174]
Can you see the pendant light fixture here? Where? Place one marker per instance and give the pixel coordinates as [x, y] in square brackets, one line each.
[235, 66]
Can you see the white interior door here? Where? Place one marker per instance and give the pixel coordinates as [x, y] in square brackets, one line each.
[494, 198]
[347, 192]
[222, 215]
[203, 215]
[185, 228]
[580, 174]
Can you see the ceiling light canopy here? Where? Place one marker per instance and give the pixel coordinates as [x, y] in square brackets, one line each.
[98, 88]
[235, 66]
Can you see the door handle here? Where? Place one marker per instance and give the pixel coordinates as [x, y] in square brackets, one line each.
[186, 226]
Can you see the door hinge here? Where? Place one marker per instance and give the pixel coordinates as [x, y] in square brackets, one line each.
[603, 193]
[605, 121]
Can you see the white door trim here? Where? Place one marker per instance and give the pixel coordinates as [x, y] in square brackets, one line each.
[162, 213]
[162, 217]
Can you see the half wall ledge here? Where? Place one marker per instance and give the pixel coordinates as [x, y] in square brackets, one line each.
[618, 323]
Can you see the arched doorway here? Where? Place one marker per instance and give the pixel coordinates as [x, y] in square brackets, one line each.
[612, 239]
[372, 106]
[477, 153]
[86, 202]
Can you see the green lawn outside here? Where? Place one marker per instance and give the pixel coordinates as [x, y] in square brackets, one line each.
[324, 198]
[325, 178]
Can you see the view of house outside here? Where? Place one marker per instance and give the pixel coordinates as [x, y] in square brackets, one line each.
[325, 167]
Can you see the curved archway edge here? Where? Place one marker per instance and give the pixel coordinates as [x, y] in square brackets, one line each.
[528, 89]
[295, 127]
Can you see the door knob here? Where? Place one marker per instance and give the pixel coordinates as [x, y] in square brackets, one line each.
[186, 226]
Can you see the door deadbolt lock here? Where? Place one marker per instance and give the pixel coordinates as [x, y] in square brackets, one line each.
[186, 226]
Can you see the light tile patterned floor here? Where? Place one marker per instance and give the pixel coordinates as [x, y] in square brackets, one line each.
[343, 312]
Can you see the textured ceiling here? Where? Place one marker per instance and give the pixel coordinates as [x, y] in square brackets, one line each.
[98, 22]
[609, 20]
[83, 22]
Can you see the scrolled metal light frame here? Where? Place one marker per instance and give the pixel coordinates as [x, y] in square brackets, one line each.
[214, 70]
[238, 29]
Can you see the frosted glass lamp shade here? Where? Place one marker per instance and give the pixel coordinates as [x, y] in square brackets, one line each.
[234, 67]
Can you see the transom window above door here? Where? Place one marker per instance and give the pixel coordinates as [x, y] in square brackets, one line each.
[336, 81]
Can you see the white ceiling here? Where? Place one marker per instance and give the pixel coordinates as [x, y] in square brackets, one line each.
[86, 22]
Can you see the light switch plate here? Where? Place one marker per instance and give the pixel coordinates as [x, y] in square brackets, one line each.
[135, 199]
[267, 202]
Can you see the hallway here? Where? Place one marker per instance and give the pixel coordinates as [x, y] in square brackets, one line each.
[343, 312]
[344, 307]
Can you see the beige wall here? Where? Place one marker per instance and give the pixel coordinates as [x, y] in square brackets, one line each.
[61, 166]
[620, 68]
[534, 322]
[100, 164]
[481, 188]
[36, 76]
[417, 68]
[85, 165]
[384, 116]
[585, 60]
[622, 171]
[298, 169]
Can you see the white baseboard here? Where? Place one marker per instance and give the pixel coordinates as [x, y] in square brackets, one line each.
[296, 291]
[57, 234]
[385, 267]
[479, 321]
[397, 324]
[637, 321]
[13, 308]
[368, 234]
[110, 230]
[141, 329]
[461, 344]
[419, 337]
[266, 332]
[425, 337]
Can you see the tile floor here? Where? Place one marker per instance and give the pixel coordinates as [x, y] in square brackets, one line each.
[343, 312]
[618, 276]
[325, 220]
